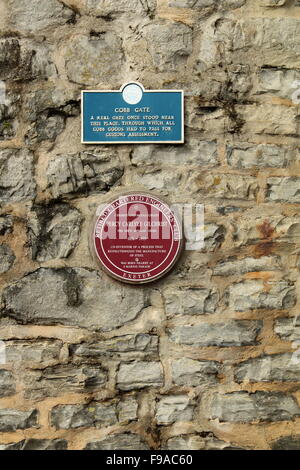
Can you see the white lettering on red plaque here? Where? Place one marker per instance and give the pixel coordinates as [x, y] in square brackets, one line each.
[137, 238]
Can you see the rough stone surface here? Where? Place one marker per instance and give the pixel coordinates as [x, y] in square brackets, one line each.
[276, 368]
[139, 375]
[109, 7]
[246, 155]
[260, 406]
[83, 173]
[48, 127]
[224, 187]
[191, 3]
[6, 225]
[38, 15]
[127, 409]
[11, 419]
[277, 81]
[63, 379]
[25, 60]
[195, 301]
[89, 58]
[286, 443]
[202, 153]
[213, 236]
[203, 441]
[76, 416]
[7, 258]
[126, 441]
[172, 45]
[191, 373]
[67, 295]
[232, 333]
[284, 189]
[7, 383]
[264, 232]
[54, 231]
[16, 175]
[241, 266]
[18, 351]
[251, 295]
[142, 345]
[36, 444]
[288, 328]
[174, 409]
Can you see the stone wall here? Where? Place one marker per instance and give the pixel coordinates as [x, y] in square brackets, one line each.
[206, 358]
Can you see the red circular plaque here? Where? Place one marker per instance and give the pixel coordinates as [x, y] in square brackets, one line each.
[137, 237]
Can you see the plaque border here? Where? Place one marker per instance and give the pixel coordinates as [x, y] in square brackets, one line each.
[110, 274]
[182, 141]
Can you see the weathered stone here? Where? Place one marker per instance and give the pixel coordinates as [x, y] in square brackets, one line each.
[11, 420]
[241, 266]
[172, 46]
[16, 175]
[246, 155]
[6, 225]
[275, 368]
[214, 236]
[94, 414]
[199, 4]
[25, 60]
[48, 126]
[269, 119]
[127, 409]
[232, 333]
[160, 180]
[88, 59]
[9, 109]
[286, 443]
[83, 173]
[192, 373]
[278, 81]
[109, 7]
[267, 41]
[285, 189]
[288, 328]
[54, 231]
[51, 100]
[173, 409]
[225, 186]
[202, 441]
[266, 229]
[7, 383]
[140, 345]
[190, 301]
[37, 444]
[210, 120]
[196, 4]
[138, 375]
[38, 15]
[272, 3]
[76, 416]
[67, 295]
[233, 3]
[32, 351]
[196, 152]
[243, 407]
[255, 294]
[7, 258]
[125, 441]
[63, 379]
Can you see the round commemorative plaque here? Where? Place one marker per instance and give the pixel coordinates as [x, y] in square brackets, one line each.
[137, 237]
